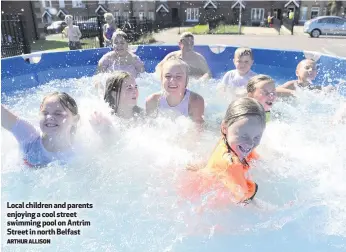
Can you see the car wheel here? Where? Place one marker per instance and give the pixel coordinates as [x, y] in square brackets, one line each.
[315, 33]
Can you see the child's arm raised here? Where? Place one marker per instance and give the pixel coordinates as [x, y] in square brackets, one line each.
[8, 119]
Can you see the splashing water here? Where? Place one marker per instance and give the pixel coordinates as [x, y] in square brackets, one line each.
[132, 182]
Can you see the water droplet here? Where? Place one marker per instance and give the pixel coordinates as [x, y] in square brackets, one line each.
[22, 9]
[32, 77]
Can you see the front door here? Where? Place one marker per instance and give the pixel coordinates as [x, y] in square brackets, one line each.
[175, 15]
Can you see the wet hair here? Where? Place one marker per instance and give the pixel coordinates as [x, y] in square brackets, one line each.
[119, 32]
[114, 83]
[243, 51]
[243, 107]
[251, 85]
[304, 61]
[186, 35]
[67, 102]
[174, 60]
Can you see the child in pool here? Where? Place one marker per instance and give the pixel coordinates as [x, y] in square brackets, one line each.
[262, 88]
[239, 77]
[58, 120]
[227, 168]
[306, 72]
[121, 95]
[120, 58]
[175, 96]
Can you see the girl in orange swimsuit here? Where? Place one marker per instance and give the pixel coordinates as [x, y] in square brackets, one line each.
[225, 178]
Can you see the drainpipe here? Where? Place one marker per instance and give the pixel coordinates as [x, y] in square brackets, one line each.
[34, 19]
[239, 25]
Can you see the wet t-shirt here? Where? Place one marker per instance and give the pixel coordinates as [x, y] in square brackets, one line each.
[31, 146]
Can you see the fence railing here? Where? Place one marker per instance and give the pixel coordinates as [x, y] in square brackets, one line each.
[92, 29]
[14, 39]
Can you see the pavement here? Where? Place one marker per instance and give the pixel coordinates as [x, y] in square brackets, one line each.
[262, 37]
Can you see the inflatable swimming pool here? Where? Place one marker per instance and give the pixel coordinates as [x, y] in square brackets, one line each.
[131, 183]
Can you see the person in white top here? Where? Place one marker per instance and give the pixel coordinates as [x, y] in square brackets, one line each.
[239, 77]
[175, 97]
[73, 34]
[55, 139]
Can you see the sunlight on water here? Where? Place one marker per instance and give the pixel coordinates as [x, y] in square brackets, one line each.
[132, 181]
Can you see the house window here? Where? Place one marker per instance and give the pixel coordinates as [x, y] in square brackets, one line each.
[46, 4]
[102, 1]
[303, 13]
[77, 3]
[151, 15]
[315, 12]
[192, 14]
[126, 15]
[324, 11]
[257, 14]
[141, 15]
[62, 4]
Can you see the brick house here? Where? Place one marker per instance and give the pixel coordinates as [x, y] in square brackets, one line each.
[141, 9]
[198, 12]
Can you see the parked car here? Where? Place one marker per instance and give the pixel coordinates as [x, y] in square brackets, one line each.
[326, 25]
[56, 27]
[89, 28]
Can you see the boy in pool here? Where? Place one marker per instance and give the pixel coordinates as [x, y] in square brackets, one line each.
[58, 121]
[227, 168]
[306, 72]
[262, 88]
[239, 77]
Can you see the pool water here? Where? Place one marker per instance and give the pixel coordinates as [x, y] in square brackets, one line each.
[132, 182]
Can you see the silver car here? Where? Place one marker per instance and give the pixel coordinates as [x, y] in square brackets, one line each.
[326, 25]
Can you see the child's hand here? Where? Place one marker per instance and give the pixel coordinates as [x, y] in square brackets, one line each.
[100, 123]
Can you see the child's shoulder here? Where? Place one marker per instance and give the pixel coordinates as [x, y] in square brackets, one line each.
[231, 73]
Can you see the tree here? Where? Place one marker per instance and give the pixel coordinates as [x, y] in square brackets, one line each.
[334, 8]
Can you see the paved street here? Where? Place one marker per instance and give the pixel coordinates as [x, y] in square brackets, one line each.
[335, 46]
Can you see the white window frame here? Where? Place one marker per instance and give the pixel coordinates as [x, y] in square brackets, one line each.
[141, 15]
[192, 14]
[301, 18]
[254, 10]
[44, 3]
[61, 4]
[314, 9]
[151, 15]
[102, 1]
[77, 4]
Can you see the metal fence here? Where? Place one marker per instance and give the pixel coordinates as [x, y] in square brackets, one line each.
[92, 29]
[14, 39]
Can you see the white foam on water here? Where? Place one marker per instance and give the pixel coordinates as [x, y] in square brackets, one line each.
[132, 181]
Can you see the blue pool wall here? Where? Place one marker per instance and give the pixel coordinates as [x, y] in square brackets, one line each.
[18, 74]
